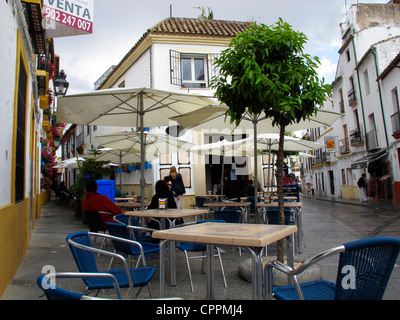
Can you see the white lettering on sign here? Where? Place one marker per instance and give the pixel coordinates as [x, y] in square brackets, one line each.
[77, 14]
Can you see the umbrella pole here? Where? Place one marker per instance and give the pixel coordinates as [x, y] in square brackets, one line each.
[120, 172]
[222, 175]
[269, 170]
[255, 172]
[142, 179]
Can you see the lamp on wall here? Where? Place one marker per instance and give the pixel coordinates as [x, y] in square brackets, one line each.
[56, 142]
[61, 84]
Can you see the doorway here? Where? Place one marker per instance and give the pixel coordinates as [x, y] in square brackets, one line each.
[332, 182]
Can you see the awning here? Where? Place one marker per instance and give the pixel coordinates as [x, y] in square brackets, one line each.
[362, 163]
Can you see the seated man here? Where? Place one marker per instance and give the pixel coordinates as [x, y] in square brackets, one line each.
[248, 191]
[94, 201]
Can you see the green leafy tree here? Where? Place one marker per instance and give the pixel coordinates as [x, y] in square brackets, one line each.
[88, 169]
[265, 72]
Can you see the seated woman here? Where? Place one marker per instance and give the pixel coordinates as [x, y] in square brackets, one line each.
[162, 192]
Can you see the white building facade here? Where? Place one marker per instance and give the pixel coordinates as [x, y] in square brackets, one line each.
[177, 54]
[365, 92]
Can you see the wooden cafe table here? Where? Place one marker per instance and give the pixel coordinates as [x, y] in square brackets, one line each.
[171, 215]
[130, 205]
[253, 236]
[296, 206]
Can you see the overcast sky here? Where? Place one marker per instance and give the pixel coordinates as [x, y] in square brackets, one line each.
[119, 24]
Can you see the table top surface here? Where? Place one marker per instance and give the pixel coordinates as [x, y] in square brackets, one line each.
[275, 204]
[130, 204]
[227, 204]
[236, 234]
[285, 197]
[208, 195]
[167, 213]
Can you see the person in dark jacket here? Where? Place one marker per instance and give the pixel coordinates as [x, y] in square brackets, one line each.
[177, 186]
[162, 192]
[362, 184]
[248, 191]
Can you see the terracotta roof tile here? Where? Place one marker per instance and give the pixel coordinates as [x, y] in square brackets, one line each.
[207, 27]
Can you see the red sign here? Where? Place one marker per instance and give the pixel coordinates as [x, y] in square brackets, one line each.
[63, 18]
[67, 19]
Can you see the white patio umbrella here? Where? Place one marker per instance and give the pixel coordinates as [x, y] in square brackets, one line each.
[214, 117]
[306, 155]
[151, 146]
[69, 163]
[269, 142]
[128, 107]
[116, 156]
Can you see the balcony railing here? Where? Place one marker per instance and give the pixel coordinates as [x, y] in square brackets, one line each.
[351, 95]
[344, 146]
[395, 122]
[79, 140]
[356, 137]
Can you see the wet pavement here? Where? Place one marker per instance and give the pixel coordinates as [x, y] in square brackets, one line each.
[326, 223]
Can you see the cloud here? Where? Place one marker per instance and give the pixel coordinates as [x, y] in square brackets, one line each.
[118, 26]
[327, 70]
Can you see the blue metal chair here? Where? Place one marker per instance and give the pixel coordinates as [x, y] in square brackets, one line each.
[198, 247]
[228, 216]
[53, 292]
[364, 270]
[140, 233]
[128, 232]
[271, 216]
[83, 253]
[122, 218]
[200, 201]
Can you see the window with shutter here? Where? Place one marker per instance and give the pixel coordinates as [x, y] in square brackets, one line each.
[190, 70]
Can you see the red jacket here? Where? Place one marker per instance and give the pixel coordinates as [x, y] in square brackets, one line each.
[94, 201]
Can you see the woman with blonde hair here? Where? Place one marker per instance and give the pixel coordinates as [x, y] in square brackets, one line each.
[177, 186]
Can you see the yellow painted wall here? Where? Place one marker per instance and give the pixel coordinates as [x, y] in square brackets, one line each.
[350, 192]
[14, 233]
[14, 222]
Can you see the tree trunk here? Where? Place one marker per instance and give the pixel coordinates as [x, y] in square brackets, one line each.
[279, 176]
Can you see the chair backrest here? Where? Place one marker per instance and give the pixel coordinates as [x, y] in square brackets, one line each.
[229, 216]
[121, 218]
[94, 221]
[120, 231]
[273, 215]
[85, 260]
[200, 201]
[365, 268]
[53, 292]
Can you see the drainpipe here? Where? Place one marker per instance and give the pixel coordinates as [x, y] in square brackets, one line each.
[151, 67]
[373, 51]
